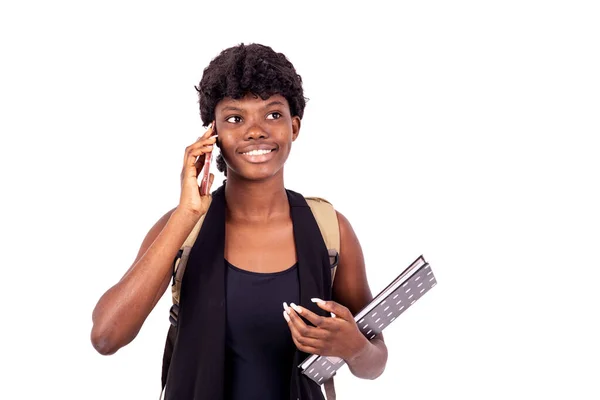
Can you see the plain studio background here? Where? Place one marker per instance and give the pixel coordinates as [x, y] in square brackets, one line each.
[465, 131]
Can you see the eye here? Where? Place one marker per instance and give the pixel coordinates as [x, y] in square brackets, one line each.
[234, 119]
[274, 115]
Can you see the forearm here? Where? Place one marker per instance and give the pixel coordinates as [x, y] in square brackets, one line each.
[370, 362]
[121, 311]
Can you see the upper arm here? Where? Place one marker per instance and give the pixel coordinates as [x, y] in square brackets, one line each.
[151, 237]
[350, 287]
[146, 243]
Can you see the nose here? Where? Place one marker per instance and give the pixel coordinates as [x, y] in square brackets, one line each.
[255, 131]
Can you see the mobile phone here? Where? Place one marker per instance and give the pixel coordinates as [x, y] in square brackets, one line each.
[205, 174]
[206, 168]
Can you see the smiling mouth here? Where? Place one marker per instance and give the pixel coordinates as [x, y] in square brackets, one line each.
[258, 152]
[259, 156]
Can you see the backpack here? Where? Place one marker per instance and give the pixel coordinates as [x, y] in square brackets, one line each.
[326, 218]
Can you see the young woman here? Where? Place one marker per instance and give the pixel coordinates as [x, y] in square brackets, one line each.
[256, 299]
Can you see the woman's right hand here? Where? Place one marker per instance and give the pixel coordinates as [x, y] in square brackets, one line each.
[191, 200]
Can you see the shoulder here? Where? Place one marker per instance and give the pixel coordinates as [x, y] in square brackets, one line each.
[328, 215]
[323, 208]
[347, 235]
[350, 287]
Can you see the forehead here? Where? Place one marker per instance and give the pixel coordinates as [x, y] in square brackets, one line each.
[250, 102]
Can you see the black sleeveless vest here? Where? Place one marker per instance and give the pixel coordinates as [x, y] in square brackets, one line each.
[197, 368]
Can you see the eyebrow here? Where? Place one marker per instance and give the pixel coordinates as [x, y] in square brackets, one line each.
[231, 108]
[273, 103]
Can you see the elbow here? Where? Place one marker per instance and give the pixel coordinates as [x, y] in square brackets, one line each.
[378, 373]
[381, 362]
[103, 343]
[372, 367]
[108, 336]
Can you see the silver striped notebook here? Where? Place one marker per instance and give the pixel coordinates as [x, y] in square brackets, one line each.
[408, 287]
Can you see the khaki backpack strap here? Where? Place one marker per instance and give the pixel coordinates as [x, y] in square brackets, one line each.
[179, 268]
[329, 389]
[326, 217]
[328, 225]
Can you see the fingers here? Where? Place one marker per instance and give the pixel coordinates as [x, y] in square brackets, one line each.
[306, 344]
[302, 334]
[316, 320]
[299, 326]
[195, 157]
[302, 345]
[194, 153]
[202, 142]
[209, 131]
[336, 309]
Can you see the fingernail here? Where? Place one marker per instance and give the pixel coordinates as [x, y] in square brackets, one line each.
[317, 300]
[287, 317]
[286, 308]
[296, 308]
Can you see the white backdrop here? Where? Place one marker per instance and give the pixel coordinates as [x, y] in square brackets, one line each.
[465, 131]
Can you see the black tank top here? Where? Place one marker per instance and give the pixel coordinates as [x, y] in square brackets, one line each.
[259, 345]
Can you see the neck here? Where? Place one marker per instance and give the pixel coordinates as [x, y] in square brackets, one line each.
[256, 201]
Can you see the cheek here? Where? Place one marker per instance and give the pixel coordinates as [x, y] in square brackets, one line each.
[223, 142]
[226, 147]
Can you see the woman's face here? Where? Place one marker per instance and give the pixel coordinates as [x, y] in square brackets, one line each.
[255, 135]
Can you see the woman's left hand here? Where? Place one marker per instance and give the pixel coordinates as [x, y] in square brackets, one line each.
[337, 336]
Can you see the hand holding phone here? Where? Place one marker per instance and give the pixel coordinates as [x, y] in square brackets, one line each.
[208, 157]
[191, 198]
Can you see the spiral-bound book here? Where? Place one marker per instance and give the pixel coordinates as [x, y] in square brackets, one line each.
[397, 297]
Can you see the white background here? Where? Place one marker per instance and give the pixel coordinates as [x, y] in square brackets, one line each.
[465, 131]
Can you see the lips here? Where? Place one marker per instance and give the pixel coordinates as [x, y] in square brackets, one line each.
[258, 153]
[257, 147]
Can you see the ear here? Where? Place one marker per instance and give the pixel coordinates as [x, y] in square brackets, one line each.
[296, 122]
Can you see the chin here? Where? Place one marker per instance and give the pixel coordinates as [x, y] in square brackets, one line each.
[262, 174]
[255, 173]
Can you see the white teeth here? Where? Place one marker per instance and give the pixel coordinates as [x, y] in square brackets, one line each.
[257, 152]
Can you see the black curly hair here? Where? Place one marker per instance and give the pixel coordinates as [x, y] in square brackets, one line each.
[248, 69]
